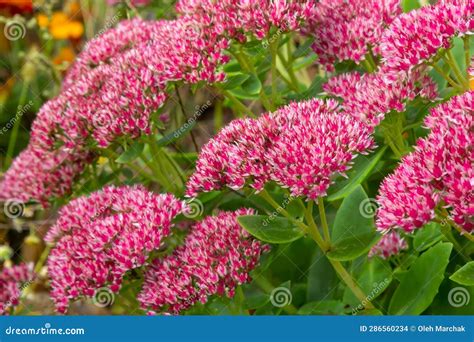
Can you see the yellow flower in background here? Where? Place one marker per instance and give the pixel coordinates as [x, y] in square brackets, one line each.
[60, 26]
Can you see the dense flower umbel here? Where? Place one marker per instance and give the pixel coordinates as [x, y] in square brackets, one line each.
[11, 280]
[116, 85]
[438, 172]
[238, 18]
[101, 237]
[301, 146]
[111, 92]
[371, 96]
[390, 244]
[349, 29]
[216, 257]
[417, 36]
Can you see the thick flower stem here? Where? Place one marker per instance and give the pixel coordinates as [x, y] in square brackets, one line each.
[240, 106]
[451, 61]
[467, 50]
[312, 230]
[324, 223]
[347, 278]
[274, 54]
[111, 155]
[447, 78]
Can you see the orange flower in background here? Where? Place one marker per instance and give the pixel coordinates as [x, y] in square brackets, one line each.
[60, 26]
[66, 54]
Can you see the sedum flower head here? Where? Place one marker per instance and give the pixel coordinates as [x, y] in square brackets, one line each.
[438, 173]
[216, 257]
[390, 244]
[11, 280]
[302, 146]
[101, 237]
[417, 36]
[349, 29]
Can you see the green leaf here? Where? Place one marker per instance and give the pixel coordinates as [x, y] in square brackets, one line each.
[362, 168]
[409, 5]
[324, 307]
[465, 275]
[303, 49]
[252, 85]
[420, 285]
[270, 229]
[354, 230]
[351, 248]
[322, 278]
[373, 278]
[426, 237]
[131, 153]
[233, 82]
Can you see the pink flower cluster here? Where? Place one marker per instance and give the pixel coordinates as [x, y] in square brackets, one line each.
[438, 173]
[417, 36]
[101, 237]
[390, 244]
[349, 29]
[301, 146]
[217, 256]
[41, 175]
[238, 18]
[371, 96]
[11, 280]
[118, 82]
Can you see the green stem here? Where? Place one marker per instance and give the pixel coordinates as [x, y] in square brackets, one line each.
[289, 70]
[16, 125]
[324, 223]
[274, 53]
[451, 61]
[313, 231]
[347, 278]
[447, 78]
[168, 174]
[467, 51]
[240, 106]
[42, 259]
[247, 65]
[112, 156]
